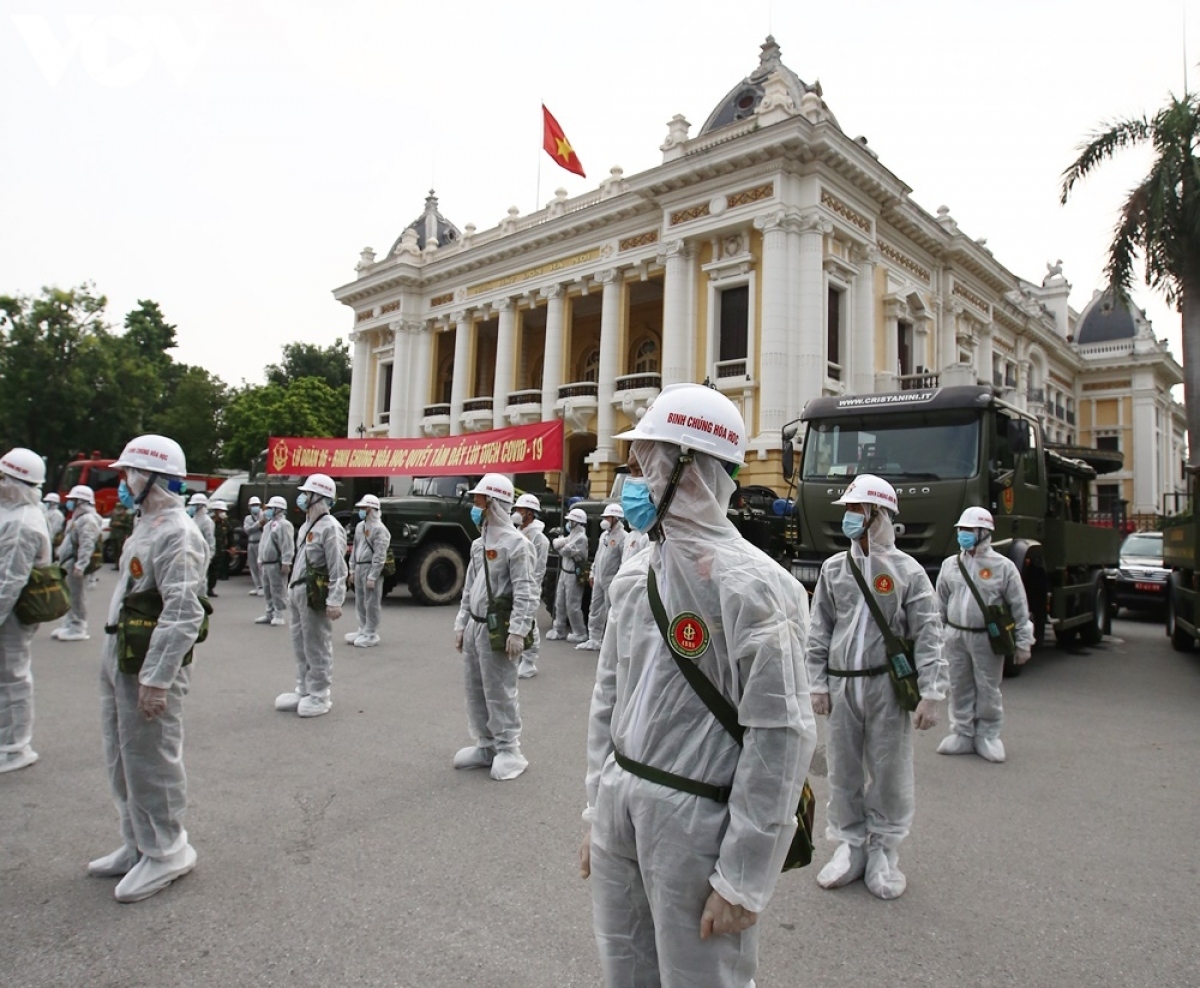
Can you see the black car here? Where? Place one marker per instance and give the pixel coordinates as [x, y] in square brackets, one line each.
[1141, 581]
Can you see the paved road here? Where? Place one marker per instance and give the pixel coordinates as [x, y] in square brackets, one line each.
[346, 851]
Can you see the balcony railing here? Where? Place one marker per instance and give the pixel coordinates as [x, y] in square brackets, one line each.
[1060, 412]
[997, 379]
[731, 368]
[583, 389]
[918, 382]
[634, 382]
[833, 371]
[442, 409]
[1070, 417]
[478, 405]
[1036, 394]
[532, 396]
[384, 417]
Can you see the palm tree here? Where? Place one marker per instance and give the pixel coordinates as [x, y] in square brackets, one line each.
[1160, 221]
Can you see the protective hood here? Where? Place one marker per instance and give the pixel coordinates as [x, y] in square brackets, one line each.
[315, 511]
[497, 514]
[881, 533]
[534, 528]
[13, 493]
[159, 499]
[698, 512]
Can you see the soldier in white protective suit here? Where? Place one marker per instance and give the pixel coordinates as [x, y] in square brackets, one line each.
[527, 517]
[275, 554]
[572, 550]
[869, 738]
[688, 828]
[81, 539]
[976, 706]
[604, 568]
[369, 556]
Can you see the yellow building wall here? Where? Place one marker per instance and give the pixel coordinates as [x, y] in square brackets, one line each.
[1106, 413]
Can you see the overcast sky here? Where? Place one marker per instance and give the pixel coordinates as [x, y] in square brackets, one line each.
[230, 160]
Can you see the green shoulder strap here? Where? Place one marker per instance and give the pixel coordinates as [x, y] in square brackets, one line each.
[894, 645]
[722, 709]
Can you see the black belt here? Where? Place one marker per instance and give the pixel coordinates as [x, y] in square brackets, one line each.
[673, 781]
[474, 617]
[959, 627]
[856, 673]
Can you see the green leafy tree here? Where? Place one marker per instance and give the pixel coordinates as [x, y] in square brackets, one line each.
[305, 407]
[1160, 222]
[331, 364]
[194, 416]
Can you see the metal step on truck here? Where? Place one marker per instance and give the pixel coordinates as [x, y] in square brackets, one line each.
[1179, 556]
[945, 449]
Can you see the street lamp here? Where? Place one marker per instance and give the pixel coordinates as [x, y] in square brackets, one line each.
[361, 430]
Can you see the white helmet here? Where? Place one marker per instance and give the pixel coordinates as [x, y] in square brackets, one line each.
[200, 500]
[530, 502]
[368, 501]
[866, 488]
[25, 465]
[153, 454]
[614, 510]
[217, 505]
[577, 515]
[254, 500]
[277, 502]
[81, 492]
[494, 485]
[696, 418]
[976, 518]
[319, 483]
[52, 498]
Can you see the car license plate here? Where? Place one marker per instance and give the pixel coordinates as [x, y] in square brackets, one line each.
[1151, 587]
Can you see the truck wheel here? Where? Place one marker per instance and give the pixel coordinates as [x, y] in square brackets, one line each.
[389, 584]
[1181, 641]
[237, 564]
[437, 573]
[1092, 633]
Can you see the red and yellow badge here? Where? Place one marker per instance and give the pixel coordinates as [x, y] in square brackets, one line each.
[884, 584]
[279, 456]
[135, 568]
[688, 636]
[985, 574]
[1007, 499]
[309, 539]
[491, 553]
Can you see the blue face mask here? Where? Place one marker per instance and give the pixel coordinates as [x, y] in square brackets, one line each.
[191, 510]
[640, 511]
[362, 514]
[966, 540]
[270, 513]
[125, 496]
[853, 525]
[70, 505]
[254, 509]
[476, 514]
[302, 501]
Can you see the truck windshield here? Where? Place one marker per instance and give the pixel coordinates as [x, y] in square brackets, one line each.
[70, 477]
[441, 486]
[921, 446]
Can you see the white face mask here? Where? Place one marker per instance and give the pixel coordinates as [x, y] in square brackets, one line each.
[605, 524]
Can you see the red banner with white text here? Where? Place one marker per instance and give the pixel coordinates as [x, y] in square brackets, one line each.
[522, 449]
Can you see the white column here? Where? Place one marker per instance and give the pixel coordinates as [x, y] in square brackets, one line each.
[505, 340]
[421, 357]
[948, 336]
[462, 367]
[610, 330]
[809, 343]
[983, 355]
[556, 307]
[861, 379]
[773, 409]
[358, 382]
[1143, 442]
[397, 426]
[675, 257]
[893, 311]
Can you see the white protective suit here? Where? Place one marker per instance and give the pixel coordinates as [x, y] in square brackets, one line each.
[253, 527]
[321, 543]
[24, 544]
[371, 541]
[55, 521]
[634, 543]
[493, 716]
[604, 568]
[976, 708]
[80, 539]
[572, 549]
[535, 532]
[144, 757]
[207, 529]
[275, 554]
[658, 853]
[869, 736]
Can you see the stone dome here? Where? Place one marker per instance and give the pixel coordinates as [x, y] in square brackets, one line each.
[431, 227]
[743, 99]
[1103, 321]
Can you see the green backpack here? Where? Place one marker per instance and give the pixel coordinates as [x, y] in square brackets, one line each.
[45, 597]
[140, 612]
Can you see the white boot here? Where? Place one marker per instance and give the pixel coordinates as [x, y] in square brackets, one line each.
[313, 706]
[574, 639]
[956, 744]
[288, 702]
[351, 635]
[553, 636]
[508, 764]
[114, 865]
[474, 757]
[847, 865]
[10, 761]
[151, 875]
[884, 878]
[526, 670]
[991, 749]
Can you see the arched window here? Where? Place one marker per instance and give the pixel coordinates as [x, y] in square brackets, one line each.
[591, 366]
[645, 358]
[445, 380]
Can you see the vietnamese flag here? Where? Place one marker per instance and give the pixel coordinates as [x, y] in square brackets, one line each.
[557, 146]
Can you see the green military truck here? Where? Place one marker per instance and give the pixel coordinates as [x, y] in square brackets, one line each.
[1179, 556]
[945, 449]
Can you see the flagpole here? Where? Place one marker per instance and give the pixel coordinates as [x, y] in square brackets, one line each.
[538, 198]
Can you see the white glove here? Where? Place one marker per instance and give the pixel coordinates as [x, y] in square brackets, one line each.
[458, 640]
[514, 646]
[559, 543]
[370, 584]
[1023, 656]
[925, 716]
[333, 613]
[820, 704]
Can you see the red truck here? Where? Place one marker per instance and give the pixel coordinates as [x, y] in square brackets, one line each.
[97, 473]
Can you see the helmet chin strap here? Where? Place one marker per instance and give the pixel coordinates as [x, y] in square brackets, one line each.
[656, 532]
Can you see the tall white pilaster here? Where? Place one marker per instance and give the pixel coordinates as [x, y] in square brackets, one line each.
[1145, 496]
[983, 355]
[463, 329]
[861, 379]
[773, 391]
[398, 428]
[422, 359]
[358, 382]
[556, 306]
[809, 345]
[610, 330]
[675, 257]
[505, 342]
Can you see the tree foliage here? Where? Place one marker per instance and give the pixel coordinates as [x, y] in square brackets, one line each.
[304, 407]
[331, 364]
